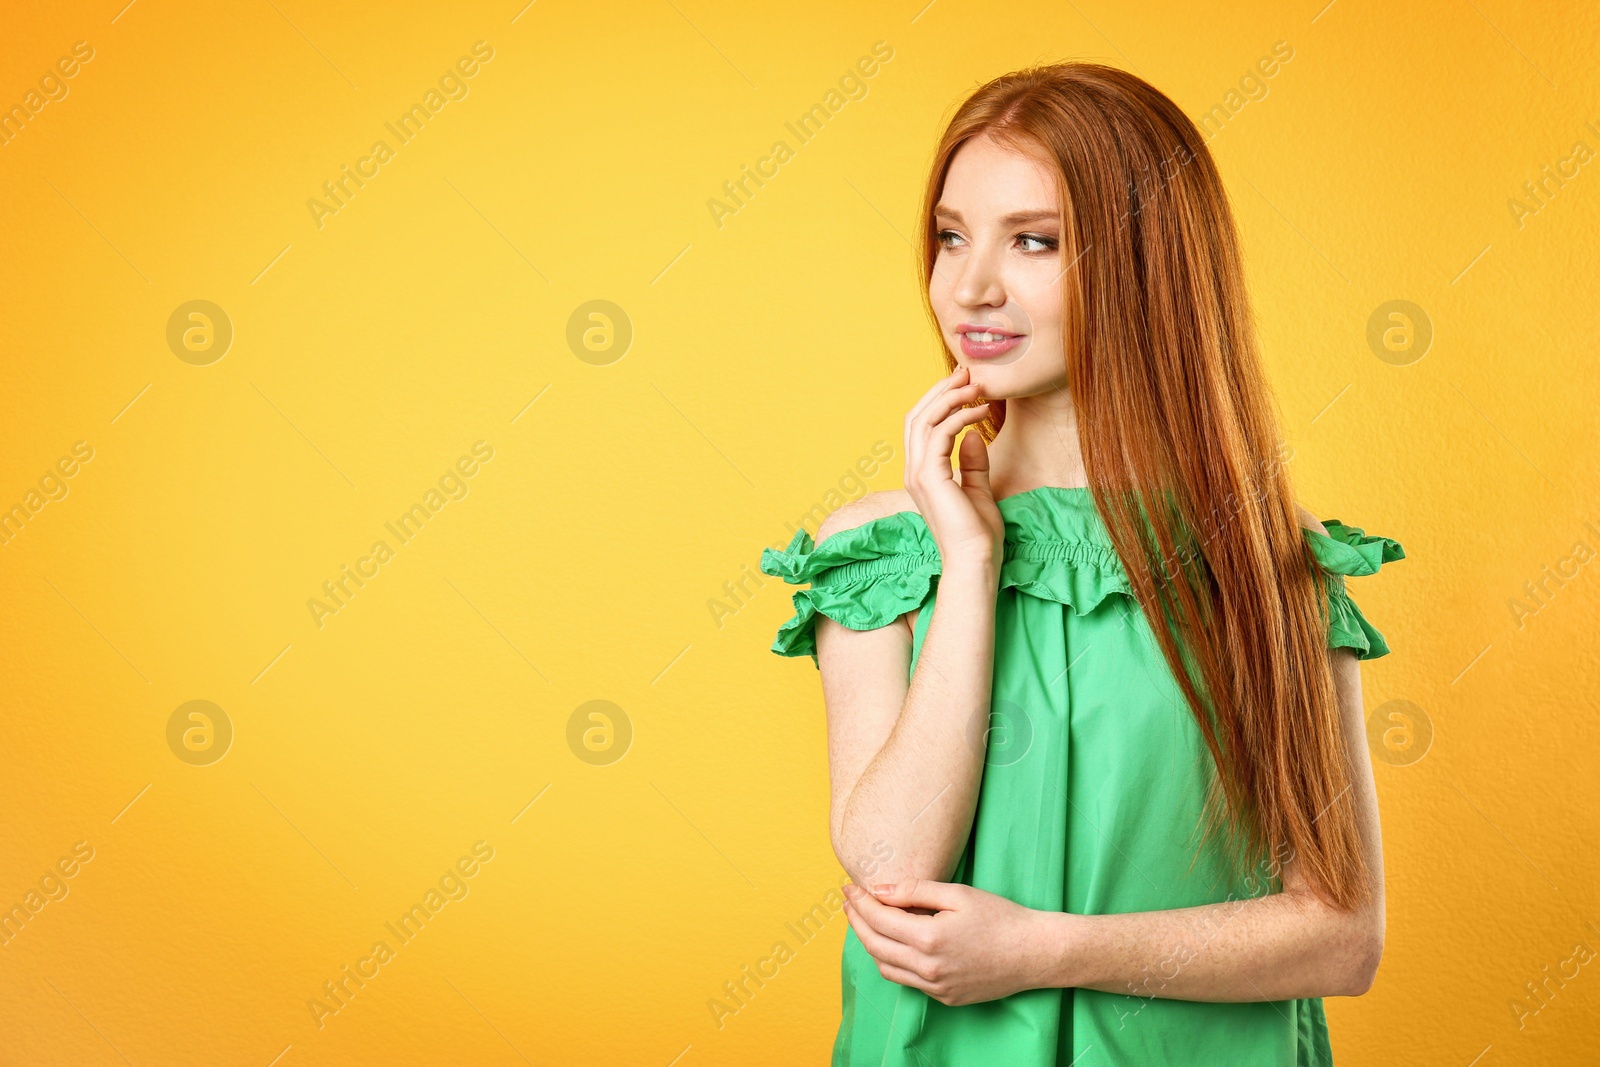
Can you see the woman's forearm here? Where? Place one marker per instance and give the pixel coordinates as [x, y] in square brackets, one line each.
[1277, 947]
[919, 792]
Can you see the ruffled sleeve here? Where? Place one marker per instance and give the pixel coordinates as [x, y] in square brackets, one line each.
[862, 578]
[1348, 551]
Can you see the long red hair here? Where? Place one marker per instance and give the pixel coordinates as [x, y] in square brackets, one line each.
[1181, 448]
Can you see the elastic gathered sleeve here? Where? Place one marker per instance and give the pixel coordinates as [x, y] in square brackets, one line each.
[1345, 552]
[862, 578]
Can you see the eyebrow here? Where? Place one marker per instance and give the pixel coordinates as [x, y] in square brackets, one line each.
[1013, 219]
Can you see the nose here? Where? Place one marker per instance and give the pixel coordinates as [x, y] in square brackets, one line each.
[980, 284]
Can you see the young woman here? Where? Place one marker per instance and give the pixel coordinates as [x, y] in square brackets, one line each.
[1099, 774]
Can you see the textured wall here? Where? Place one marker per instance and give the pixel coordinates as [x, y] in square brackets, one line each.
[393, 345]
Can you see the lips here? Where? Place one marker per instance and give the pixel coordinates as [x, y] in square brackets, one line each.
[976, 327]
[986, 342]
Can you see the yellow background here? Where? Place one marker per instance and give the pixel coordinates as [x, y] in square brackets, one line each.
[769, 355]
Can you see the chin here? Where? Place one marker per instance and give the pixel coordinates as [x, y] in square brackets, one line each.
[998, 380]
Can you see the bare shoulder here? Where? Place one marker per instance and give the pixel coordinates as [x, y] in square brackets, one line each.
[875, 505]
[1309, 521]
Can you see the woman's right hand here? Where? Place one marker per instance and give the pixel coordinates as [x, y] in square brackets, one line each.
[962, 516]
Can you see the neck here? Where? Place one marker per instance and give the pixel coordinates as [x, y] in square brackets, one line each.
[1038, 445]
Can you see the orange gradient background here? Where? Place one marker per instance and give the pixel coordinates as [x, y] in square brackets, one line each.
[607, 548]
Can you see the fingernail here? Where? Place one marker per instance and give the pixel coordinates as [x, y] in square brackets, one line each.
[849, 891]
[889, 888]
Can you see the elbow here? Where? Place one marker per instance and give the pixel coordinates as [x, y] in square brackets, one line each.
[866, 863]
[843, 853]
[878, 861]
[1347, 965]
[869, 853]
[881, 865]
[1361, 963]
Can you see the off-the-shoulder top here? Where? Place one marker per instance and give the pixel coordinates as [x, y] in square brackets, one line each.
[1094, 779]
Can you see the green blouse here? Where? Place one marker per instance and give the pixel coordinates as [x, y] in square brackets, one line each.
[1094, 781]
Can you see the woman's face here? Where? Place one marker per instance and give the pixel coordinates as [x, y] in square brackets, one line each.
[996, 285]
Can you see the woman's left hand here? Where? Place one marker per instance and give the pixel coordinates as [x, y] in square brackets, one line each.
[977, 946]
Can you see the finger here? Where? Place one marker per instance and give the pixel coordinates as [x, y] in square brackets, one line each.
[974, 461]
[940, 406]
[905, 977]
[883, 948]
[953, 378]
[922, 892]
[909, 923]
[942, 438]
[946, 428]
[930, 436]
[913, 931]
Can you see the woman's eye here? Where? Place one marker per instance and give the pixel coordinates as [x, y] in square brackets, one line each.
[1036, 242]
